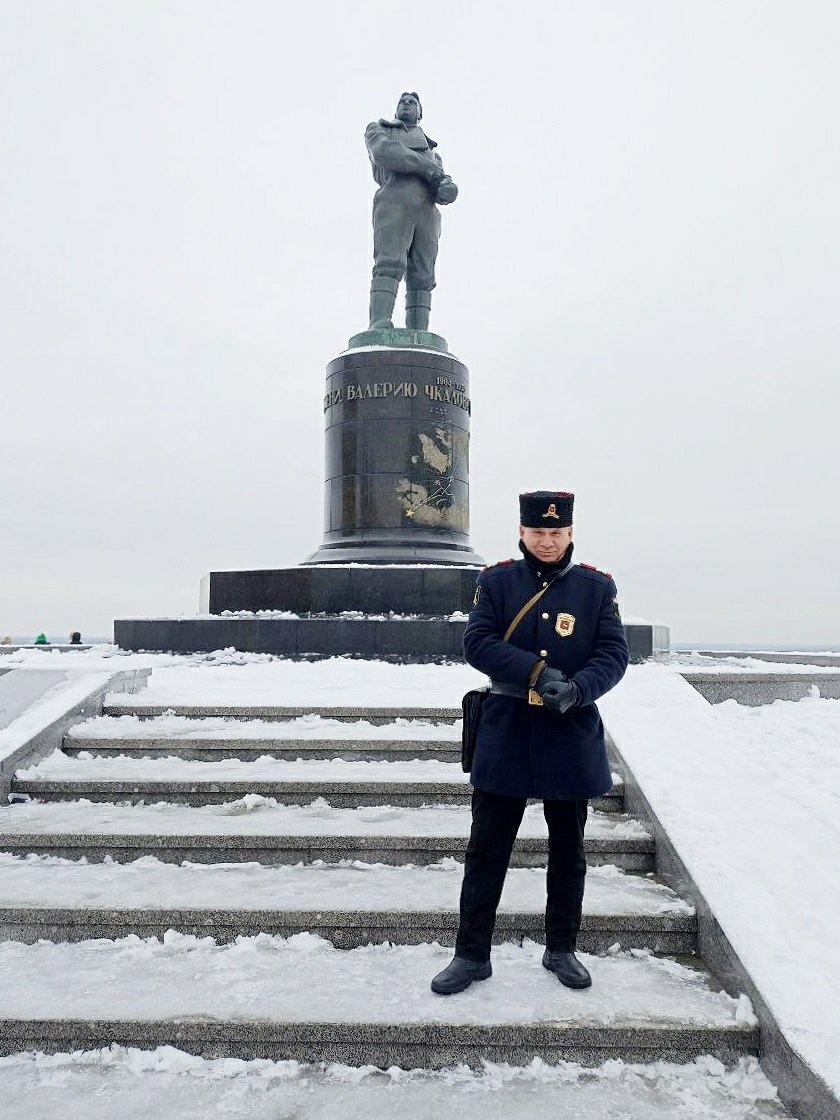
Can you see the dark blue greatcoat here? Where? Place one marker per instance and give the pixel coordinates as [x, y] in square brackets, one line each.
[527, 751]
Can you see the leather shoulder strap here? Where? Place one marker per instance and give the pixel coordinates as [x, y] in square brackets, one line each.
[524, 610]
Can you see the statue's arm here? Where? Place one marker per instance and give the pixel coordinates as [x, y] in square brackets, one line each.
[446, 191]
[394, 156]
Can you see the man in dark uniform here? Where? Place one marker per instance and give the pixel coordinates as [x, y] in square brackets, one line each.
[540, 734]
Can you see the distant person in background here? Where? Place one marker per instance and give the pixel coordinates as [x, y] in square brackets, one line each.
[75, 638]
[7, 642]
[41, 640]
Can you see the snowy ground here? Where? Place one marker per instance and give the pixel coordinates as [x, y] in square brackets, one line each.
[269, 978]
[309, 726]
[230, 676]
[254, 815]
[50, 881]
[121, 768]
[750, 797]
[169, 1084]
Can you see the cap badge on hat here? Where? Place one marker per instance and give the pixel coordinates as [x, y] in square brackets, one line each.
[564, 624]
[552, 512]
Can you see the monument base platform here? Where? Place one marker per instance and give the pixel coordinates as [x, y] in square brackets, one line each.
[423, 589]
[380, 638]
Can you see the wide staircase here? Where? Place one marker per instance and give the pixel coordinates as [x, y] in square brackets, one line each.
[282, 883]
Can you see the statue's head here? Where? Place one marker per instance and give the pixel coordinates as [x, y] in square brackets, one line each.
[409, 109]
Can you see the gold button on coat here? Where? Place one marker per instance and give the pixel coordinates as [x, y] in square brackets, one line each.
[545, 614]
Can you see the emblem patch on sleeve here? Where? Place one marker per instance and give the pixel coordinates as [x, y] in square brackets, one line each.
[616, 611]
[564, 624]
[477, 596]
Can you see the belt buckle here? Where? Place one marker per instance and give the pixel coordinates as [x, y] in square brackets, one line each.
[534, 697]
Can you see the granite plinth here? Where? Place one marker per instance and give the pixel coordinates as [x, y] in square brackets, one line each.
[387, 639]
[647, 639]
[415, 639]
[397, 422]
[371, 588]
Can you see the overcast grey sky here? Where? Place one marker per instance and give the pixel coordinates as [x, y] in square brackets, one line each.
[642, 273]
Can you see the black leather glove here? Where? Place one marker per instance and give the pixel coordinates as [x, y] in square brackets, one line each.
[555, 691]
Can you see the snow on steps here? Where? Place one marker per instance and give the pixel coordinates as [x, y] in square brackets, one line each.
[259, 829]
[300, 998]
[133, 1084]
[351, 904]
[341, 783]
[649, 1009]
[250, 750]
[129, 705]
[299, 734]
[308, 725]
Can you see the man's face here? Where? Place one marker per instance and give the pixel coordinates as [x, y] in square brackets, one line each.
[547, 545]
[408, 110]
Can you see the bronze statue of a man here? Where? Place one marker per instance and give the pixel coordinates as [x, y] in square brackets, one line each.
[406, 220]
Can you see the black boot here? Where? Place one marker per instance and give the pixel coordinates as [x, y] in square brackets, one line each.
[567, 968]
[459, 974]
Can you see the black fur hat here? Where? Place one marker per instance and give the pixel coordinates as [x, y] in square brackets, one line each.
[546, 509]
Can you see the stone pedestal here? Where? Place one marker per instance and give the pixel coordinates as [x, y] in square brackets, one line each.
[437, 590]
[397, 417]
[395, 574]
[387, 639]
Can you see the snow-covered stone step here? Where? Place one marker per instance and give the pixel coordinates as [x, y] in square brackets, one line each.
[172, 1085]
[300, 998]
[341, 783]
[259, 829]
[213, 791]
[376, 714]
[302, 727]
[351, 903]
[307, 735]
[248, 750]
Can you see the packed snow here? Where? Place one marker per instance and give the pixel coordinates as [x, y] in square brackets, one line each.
[270, 979]
[20, 692]
[750, 798]
[85, 767]
[173, 1085]
[309, 726]
[254, 815]
[745, 663]
[333, 682]
[34, 703]
[49, 881]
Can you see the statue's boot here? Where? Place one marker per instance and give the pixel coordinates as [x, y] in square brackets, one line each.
[383, 292]
[417, 307]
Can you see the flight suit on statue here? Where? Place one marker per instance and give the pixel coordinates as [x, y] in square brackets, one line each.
[406, 220]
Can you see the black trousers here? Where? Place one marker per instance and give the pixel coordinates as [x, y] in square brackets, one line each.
[495, 822]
